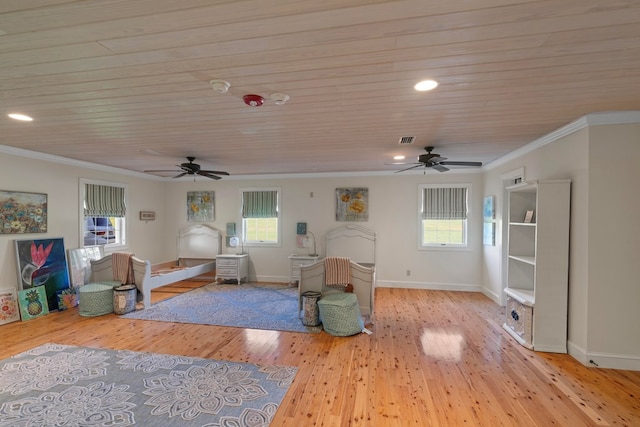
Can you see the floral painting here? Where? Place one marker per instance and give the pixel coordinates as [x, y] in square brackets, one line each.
[67, 298]
[352, 204]
[43, 262]
[9, 310]
[22, 213]
[200, 206]
[33, 303]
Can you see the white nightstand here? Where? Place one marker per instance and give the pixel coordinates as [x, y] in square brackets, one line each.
[295, 262]
[232, 266]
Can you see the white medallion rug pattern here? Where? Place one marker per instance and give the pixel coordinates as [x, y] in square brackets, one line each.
[65, 385]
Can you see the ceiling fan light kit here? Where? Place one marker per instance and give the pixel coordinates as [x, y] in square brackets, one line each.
[191, 168]
[434, 161]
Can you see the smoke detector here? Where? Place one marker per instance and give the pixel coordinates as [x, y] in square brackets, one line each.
[220, 86]
[253, 100]
[279, 98]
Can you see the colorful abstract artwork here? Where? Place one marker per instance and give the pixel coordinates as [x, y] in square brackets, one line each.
[9, 310]
[67, 298]
[200, 206]
[22, 213]
[43, 262]
[33, 303]
[352, 204]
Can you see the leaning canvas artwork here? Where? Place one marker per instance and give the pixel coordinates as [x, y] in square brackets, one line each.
[33, 303]
[9, 310]
[43, 262]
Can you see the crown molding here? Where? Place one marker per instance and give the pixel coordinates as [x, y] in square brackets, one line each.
[593, 119]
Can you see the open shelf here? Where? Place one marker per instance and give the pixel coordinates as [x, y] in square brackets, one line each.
[531, 260]
[523, 296]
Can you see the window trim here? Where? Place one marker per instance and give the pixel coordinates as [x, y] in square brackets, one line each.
[440, 247]
[258, 244]
[81, 222]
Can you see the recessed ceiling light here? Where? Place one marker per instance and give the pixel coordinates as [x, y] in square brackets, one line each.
[426, 85]
[398, 157]
[20, 117]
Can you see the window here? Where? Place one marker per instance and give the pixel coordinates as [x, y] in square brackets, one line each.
[261, 217]
[104, 212]
[443, 216]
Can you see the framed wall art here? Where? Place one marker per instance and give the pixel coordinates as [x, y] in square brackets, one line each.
[489, 209]
[352, 204]
[22, 213]
[200, 206]
[43, 263]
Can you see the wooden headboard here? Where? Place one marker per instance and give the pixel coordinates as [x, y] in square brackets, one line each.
[354, 242]
[199, 241]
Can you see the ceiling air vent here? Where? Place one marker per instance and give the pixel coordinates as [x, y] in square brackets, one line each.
[406, 140]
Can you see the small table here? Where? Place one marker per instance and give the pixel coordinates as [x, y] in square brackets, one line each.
[297, 261]
[232, 266]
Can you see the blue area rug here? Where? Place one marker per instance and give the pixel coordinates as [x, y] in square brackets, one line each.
[65, 385]
[272, 307]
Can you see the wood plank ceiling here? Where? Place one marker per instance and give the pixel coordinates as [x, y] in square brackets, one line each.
[126, 83]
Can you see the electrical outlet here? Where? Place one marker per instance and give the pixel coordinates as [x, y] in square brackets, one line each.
[408, 272]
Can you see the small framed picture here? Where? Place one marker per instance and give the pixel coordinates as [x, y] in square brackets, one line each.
[528, 217]
[301, 228]
[147, 216]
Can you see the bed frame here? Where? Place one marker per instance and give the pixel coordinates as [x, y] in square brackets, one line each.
[198, 246]
[356, 243]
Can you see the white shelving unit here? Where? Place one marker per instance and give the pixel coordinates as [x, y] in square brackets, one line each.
[538, 269]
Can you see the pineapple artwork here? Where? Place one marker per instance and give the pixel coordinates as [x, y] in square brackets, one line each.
[33, 303]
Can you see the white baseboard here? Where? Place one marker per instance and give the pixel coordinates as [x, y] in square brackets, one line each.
[428, 285]
[491, 295]
[604, 360]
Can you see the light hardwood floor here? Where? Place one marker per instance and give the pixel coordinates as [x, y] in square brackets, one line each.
[435, 358]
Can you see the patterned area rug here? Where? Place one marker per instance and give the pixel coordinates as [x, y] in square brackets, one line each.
[273, 307]
[65, 385]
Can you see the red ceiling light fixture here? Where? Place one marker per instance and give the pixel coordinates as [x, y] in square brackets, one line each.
[253, 100]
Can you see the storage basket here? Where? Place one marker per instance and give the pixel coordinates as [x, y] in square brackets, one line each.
[340, 314]
[310, 315]
[124, 299]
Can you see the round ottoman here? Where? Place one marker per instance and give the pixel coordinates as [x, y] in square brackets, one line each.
[95, 299]
[340, 314]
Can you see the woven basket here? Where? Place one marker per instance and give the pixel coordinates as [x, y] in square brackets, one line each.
[340, 314]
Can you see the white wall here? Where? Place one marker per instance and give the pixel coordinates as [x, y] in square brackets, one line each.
[613, 306]
[61, 184]
[604, 289]
[393, 204]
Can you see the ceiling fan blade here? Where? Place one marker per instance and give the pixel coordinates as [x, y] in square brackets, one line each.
[208, 175]
[179, 175]
[461, 163]
[412, 167]
[437, 159]
[439, 168]
[402, 163]
[215, 172]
